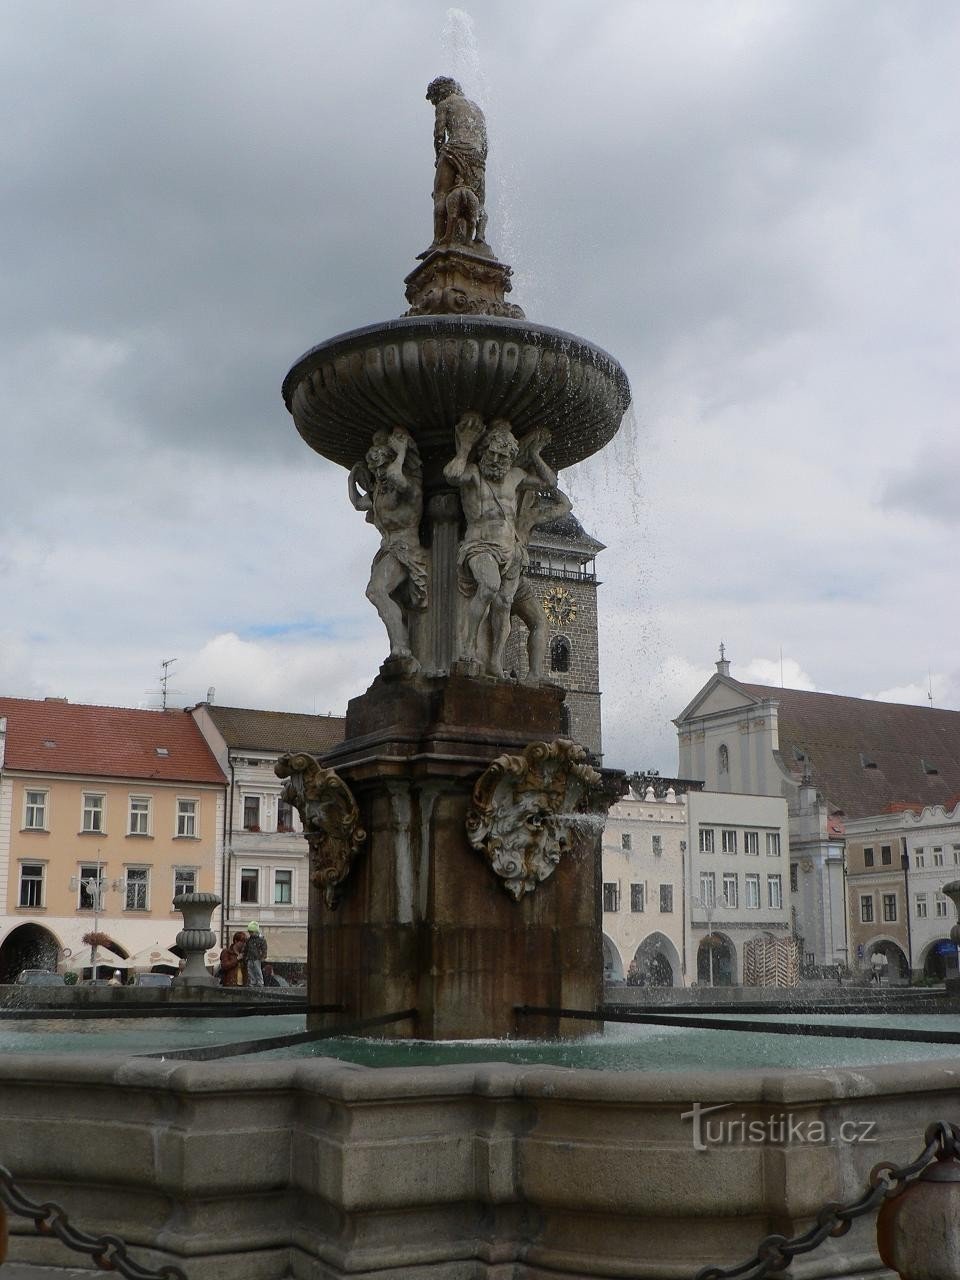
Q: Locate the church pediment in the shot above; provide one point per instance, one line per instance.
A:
(718, 695)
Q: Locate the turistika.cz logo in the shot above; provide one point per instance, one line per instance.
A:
(779, 1129)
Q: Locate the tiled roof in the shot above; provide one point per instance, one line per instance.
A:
(277, 730)
(570, 529)
(865, 756)
(56, 736)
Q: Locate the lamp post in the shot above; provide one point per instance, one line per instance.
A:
(95, 887)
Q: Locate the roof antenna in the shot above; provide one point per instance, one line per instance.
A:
(930, 689)
(781, 666)
(167, 663)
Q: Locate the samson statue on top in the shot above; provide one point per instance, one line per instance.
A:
(460, 143)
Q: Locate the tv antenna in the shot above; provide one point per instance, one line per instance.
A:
(165, 689)
(930, 689)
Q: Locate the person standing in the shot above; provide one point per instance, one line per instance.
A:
(254, 954)
(231, 961)
(877, 962)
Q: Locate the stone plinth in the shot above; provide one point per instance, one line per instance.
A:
(456, 280)
(423, 921)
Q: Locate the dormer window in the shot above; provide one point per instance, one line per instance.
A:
(162, 751)
(867, 762)
(929, 767)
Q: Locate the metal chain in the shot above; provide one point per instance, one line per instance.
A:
(885, 1181)
(108, 1252)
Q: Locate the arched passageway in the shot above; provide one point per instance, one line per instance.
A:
(656, 963)
(28, 946)
(612, 964)
(716, 961)
(936, 958)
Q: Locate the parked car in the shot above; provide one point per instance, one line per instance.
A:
(39, 978)
(153, 980)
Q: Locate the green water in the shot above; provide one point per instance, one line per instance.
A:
(619, 1048)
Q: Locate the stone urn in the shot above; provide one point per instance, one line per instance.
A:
(196, 937)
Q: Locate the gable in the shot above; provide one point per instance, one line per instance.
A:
(718, 695)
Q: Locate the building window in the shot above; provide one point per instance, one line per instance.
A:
(752, 892)
(283, 887)
(731, 895)
(794, 878)
(868, 857)
(92, 812)
(938, 857)
(251, 813)
(90, 888)
(284, 816)
(956, 855)
(886, 856)
(139, 820)
(918, 859)
(559, 654)
(921, 906)
(775, 892)
(751, 842)
(941, 907)
(708, 889)
(666, 897)
(31, 884)
(249, 884)
(657, 843)
(184, 880)
(187, 818)
(866, 909)
(35, 812)
(728, 841)
(706, 840)
(773, 844)
(636, 897)
(136, 889)
(626, 841)
(611, 896)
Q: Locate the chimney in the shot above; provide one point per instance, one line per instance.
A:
(3, 738)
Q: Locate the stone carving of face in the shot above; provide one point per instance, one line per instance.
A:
(499, 452)
(378, 459)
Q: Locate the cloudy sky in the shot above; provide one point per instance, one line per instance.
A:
(752, 204)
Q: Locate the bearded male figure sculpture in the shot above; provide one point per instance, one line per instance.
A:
(460, 143)
(492, 554)
(388, 487)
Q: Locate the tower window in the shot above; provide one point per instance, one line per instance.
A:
(559, 654)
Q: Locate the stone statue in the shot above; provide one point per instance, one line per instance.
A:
(537, 507)
(524, 812)
(331, 820)
(389, 488)
(460, 143)
(491, 556)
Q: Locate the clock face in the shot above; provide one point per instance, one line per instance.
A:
(560, 606)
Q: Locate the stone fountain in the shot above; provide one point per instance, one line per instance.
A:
(451, 873)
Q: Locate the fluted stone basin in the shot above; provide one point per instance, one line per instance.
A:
(423, 372)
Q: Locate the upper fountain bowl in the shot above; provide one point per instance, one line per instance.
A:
(423, 372)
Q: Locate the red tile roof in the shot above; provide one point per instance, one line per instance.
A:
(55, 736)
(277, 730)
(865, 756)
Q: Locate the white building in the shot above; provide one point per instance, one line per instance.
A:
(738, 880)
(644, 847)
(265, 873)
(690, 878)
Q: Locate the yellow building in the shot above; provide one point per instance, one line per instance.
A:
(106, 813)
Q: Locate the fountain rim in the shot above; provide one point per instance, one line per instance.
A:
(452, 326)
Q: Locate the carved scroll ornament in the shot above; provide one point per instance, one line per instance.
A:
(330, 817)
(527, 809)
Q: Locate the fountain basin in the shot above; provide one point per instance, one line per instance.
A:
(423, 372)
(257, 1170)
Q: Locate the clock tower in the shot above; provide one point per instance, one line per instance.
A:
(563, 576)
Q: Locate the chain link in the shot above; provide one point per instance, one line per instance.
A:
(108, 1252)
(942, 1142)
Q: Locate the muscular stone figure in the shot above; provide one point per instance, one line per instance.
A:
(460, 143)
(537, 507)
(491, 555)
(388, 488)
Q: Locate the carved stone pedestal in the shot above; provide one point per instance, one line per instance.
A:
(424, 921)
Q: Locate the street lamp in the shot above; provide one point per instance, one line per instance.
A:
(95, 887)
